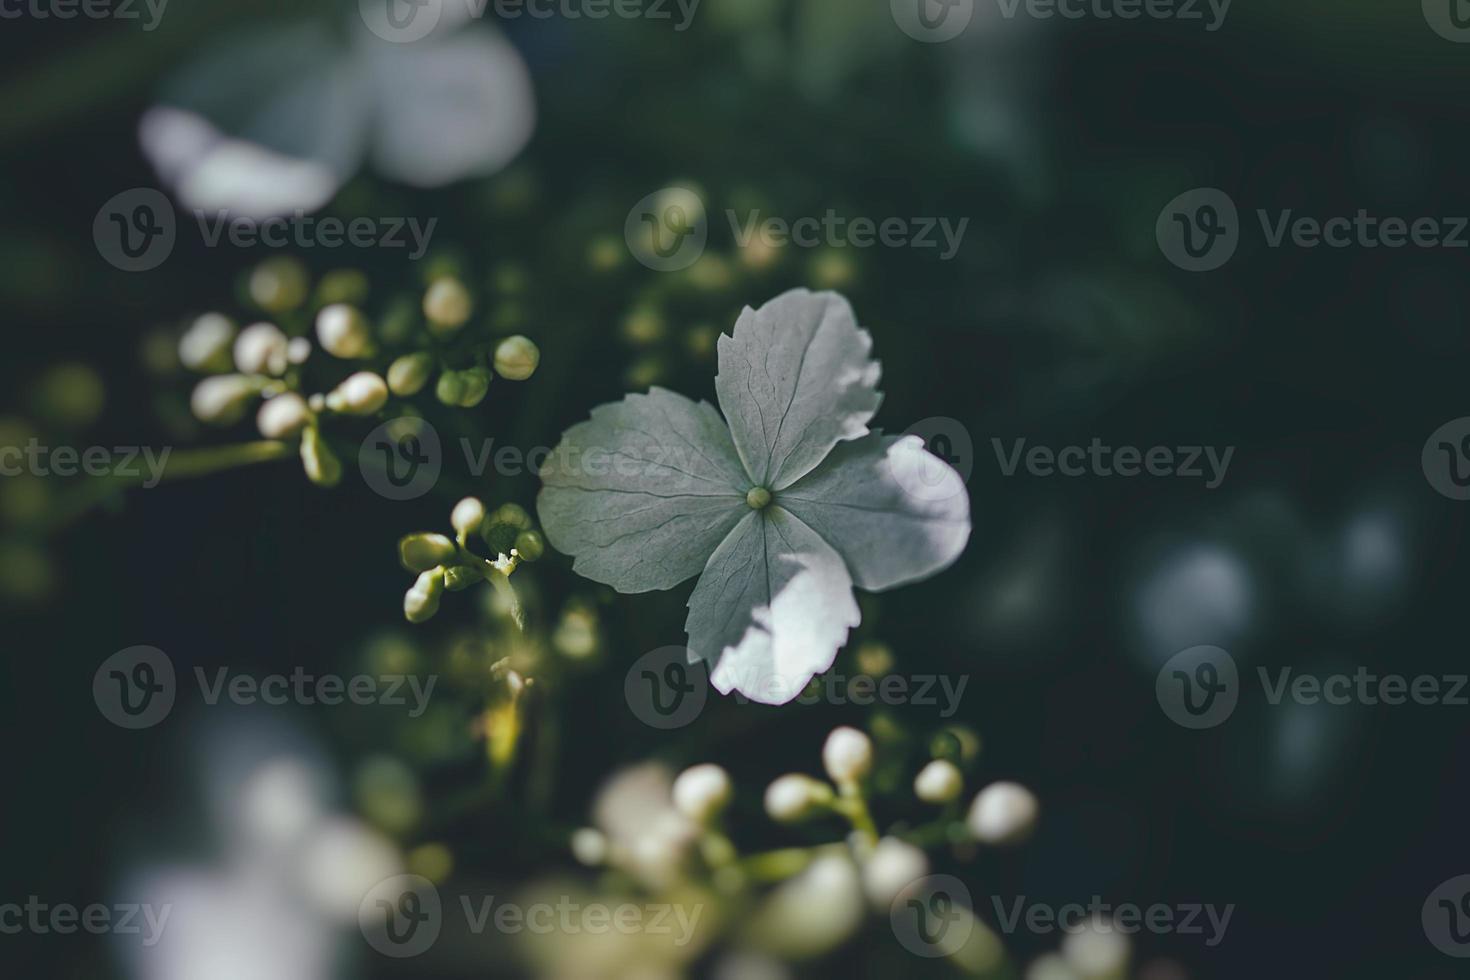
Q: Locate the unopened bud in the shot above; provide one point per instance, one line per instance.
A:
(847, 755)
(463, 389)
(1003, 813)
(702, 791)
(530, 545)
(283, 416)
(421, 602)
(343, 331)
(261, 349)
(461, 577)
(939, 782)
(278, 284)
(421, 552)
(409, 373)
(447, 305)
(205, 346)
(893, 866)
(361, 394)
(221, 400)
(795, 796)
(516, 358)
(321, 464)
(467, 516)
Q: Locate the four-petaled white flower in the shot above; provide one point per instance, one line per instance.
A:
(780, 512)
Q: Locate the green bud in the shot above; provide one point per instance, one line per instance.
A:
(321, 464)
(461, 577)
(513, 514)
(421, 602)
(408, 375)
(516, 358)
(468, 515)
(530, 545)
(447, 305)
(463, 389)
(499, 537)
(342, 286)
(278, 285)
(423, 551)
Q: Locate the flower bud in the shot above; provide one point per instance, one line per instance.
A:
(464, 389)
(893, 866)
(467, 516)
(421, 602)
(530, 545)
(939, 782)
(278, 284)
(321, 464)
(409, 373)
(516, 358)
(261, 349)
(343, 331)
(361, 394)
(1002, 813)
(283, 416)
(298, 350)
(447, 305)
(421, 552)
(589, 846)
(795, 796)
(847, 755)
(221, 400)
(461, 577)
(205, 346)
(702, 791)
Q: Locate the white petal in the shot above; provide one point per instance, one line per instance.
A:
(795, 379)
(894, 511)
(450, 109)
(643, 492)
(260, 126)
(773, 606)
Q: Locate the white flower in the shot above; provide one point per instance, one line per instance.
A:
(1003, 813)
(781, 507)
(277, 119)
(702, 791)
(847, 755)
(893, 866)
(939, 782)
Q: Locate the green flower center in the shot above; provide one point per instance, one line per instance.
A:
(757, 497)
